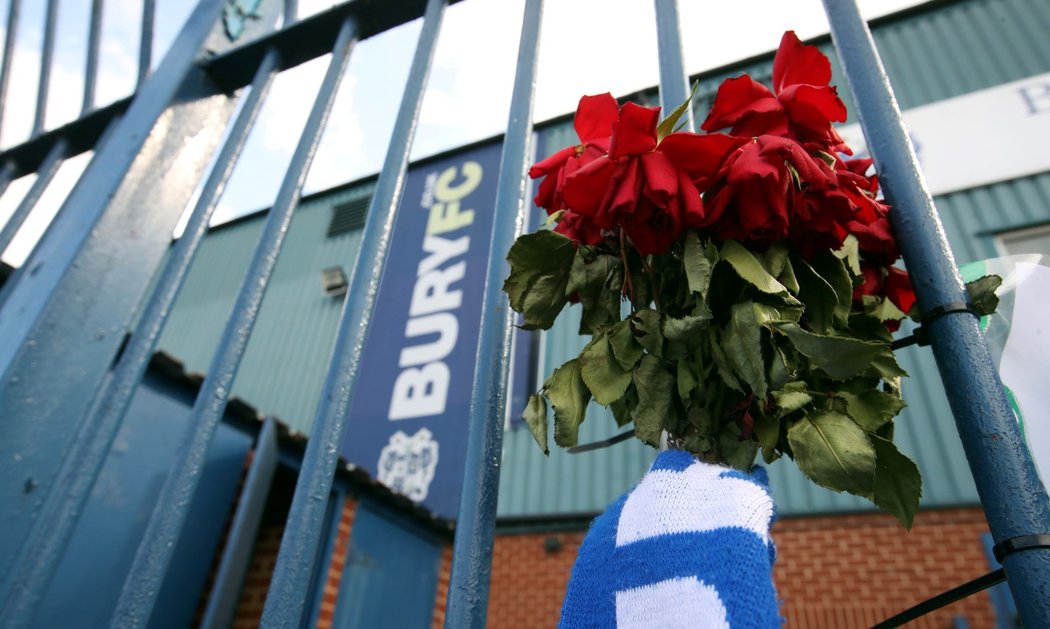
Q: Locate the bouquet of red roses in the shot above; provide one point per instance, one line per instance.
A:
(759, 268)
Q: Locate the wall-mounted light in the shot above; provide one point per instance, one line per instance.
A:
(334, 281)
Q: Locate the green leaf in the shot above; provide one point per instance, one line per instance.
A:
(872, 408)
(817, 293)
(624, 407)
(750, 269)
(775, 258)
(569, 397)
(602, 373)
(670, 123)
(736, 452)
(833, 452)
(698, 264)
(850, 254)
(791, 398)
(655, 387)
(686, 380)
(898, 484)
(766, 314)
(721, 362)
(767, 431)
(742, 344)
(596, 279)
(540, 264)
(646, 327)
(535, 416)
(842, 357)
(624, 346)
(834, 273)
(787, 277)
(982, 294)
(685, 329)
(881, 308)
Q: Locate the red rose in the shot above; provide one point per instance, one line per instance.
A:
(595, 116)
(802, 104)
(646, 187)
(757, 186)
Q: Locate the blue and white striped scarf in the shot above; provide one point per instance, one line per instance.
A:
(688, 547)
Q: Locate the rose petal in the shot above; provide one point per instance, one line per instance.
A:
(595, 117)
(735, 98)
(796, 63)
(635, 132)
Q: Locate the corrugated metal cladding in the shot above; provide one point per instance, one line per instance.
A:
(940, 50)
(284, 365)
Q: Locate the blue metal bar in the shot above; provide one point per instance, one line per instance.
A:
(146, 40)
(329, 537)
(44, 175)
(154, 554)
(91, 64)
(9, 50)
(287, 594)
(41, 554)
(47, 54)
(225, 594)
(1015, 501)
(65, 317)
(472, 551)
(674, 82)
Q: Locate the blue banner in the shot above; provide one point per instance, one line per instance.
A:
(407, 423)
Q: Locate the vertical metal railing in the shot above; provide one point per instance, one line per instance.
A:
(61, 321)
(286, 598)
(10, 38)
(91, 57)
(1015, 501)
(41, 554)
(475, 526)
(150, 565)
(146, 40)
(47, 57)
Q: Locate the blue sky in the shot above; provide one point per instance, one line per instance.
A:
(588, 46)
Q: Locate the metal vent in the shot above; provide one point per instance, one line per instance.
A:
(349, 216)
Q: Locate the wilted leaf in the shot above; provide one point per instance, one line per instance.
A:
(834, 452)
(736, 452)
(872, 408)
(569, 397)
(982, 294)
(602, 373)
(596, 279)
(685, 329)
(535, 416)
(834, 273)
(842, 357)
(791, 399)
(817, 293)
(624, 346)
(647, 331)
(686, 381)
(698, 264)
(655, 387)
(540, 264)
(850, 254)
(751, 270)
(742, 345)
(898, 485)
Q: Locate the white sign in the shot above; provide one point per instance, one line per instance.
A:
(979, 138)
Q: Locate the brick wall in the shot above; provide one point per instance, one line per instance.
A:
(441, 595)
(335, 568)
(853, 571)
(257, 581)
(528, 579)
(831, 572)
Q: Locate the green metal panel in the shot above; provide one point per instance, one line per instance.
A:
(285, 362)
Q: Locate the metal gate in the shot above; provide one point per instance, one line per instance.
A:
(73, 350)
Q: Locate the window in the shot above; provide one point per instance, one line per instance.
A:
(1028, 240)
